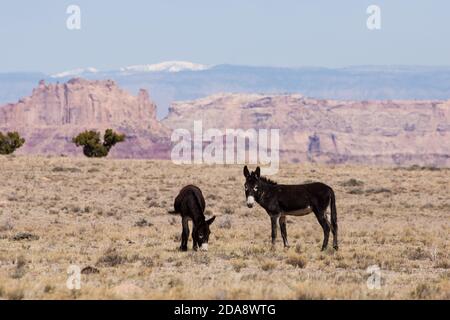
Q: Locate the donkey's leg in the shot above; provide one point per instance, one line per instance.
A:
(273, 219)
(334, 231)
(184, 234)
(194, 245)
(284, 231)
(335, 238)
(334, 225)
(320, 215)
(194, 238)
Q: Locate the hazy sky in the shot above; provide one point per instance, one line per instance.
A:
(34, 37)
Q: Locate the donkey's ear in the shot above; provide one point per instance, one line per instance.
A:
(211, 220)
(246, 172)
(258, 172)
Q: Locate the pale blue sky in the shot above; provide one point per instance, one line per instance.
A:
(33, 34)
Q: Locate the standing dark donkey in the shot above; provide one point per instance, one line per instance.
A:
(191, 205)
(296, 200)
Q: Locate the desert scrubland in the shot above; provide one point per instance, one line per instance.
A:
(109, 217)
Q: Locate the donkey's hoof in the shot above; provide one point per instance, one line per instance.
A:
(336, 248)
(183, 248)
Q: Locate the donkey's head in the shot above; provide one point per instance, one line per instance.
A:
(201, 233)
(252, 186)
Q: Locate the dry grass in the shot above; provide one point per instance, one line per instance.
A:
(110, 216)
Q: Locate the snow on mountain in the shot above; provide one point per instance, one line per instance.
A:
(168, 66)
(74, 72)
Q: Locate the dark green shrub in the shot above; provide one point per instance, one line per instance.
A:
(10, 142)
(93, 147)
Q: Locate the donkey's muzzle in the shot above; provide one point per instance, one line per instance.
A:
(250, 201)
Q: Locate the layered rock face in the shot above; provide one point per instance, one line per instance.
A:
(54, 113)
(329, 131)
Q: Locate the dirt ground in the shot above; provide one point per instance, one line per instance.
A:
(111, 215)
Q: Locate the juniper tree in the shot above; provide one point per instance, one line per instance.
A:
(10, 142)
(93, 146)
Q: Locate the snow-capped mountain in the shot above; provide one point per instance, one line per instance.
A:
(167, 66)
(74, 72)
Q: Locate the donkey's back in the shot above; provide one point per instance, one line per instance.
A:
(301, 195)
(189, 201)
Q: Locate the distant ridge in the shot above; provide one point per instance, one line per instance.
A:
(181, 80)
(398, 132)
(168, 66)
(74, 72)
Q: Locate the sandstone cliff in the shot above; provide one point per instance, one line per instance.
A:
(54, 113)
(368, 132)
(330, 131)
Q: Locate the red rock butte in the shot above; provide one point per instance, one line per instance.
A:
(54, 113)
(330, 131)
(317, 130)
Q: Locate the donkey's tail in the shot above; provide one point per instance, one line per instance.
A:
(334, 225)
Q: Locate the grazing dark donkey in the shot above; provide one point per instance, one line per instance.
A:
(296, 200)
(191, 205)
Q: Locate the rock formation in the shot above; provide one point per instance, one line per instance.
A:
(328, 131)
(366, 132)
(54, 113)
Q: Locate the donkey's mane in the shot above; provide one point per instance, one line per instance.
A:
(267, 180)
